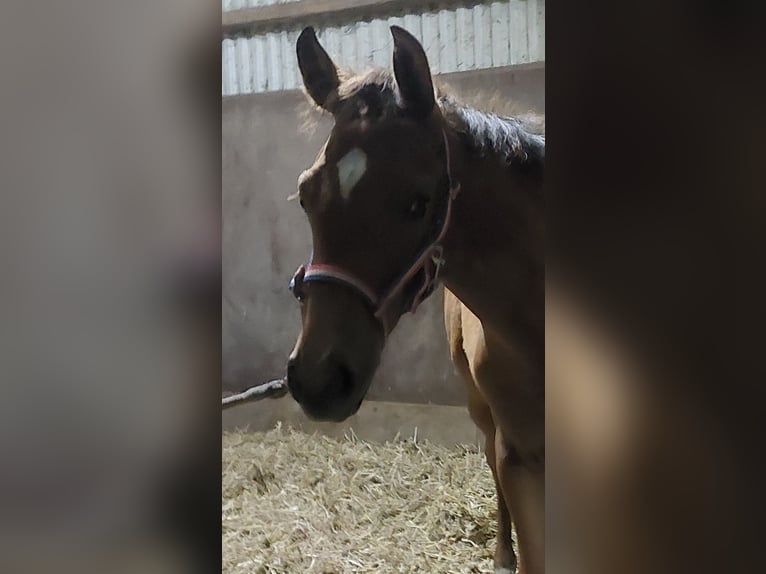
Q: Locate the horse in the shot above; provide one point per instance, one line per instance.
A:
(412, 189)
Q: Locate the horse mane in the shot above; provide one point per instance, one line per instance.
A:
(513, 139)
(508, 137)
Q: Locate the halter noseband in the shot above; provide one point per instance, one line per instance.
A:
(429, 261)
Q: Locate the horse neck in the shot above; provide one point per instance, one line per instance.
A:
(494, 248)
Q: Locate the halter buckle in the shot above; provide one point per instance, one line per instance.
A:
(296, 283)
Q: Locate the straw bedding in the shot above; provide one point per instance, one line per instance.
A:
(295, 503)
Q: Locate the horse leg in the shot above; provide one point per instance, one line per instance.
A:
(460, 323)
(505, 558)
(523, 486)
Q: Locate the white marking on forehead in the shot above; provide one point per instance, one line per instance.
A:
(351, 168)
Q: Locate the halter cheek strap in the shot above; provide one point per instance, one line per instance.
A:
(429, 261)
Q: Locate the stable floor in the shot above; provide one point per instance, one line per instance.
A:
(295, 502)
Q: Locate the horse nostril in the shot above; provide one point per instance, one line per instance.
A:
(345, 382)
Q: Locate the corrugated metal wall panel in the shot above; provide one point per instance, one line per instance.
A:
(229, 5)
(499, 33)
(491, 34)
(482, 47)
(230, 86)
(430, 23)
(274, 61)
(464, 39)
(447, 41)
(537, 23)
(518, 35)
(244, 73)
(380, 34)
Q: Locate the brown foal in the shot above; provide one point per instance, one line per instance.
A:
(412, 188)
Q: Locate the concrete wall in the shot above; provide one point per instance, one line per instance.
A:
(265, 238)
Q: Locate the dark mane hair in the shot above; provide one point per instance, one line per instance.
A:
(507, 137)
(374, 94)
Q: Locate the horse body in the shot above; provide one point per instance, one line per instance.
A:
(406, 188)
(494, 317)
(510, 417)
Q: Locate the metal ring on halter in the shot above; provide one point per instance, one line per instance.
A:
(429, 261)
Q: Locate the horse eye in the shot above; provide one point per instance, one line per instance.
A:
(417, 208)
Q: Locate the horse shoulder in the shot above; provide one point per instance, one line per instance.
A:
(454, 326)
(464, 333)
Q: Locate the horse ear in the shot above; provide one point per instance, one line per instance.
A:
(412, 73)
(320, 76)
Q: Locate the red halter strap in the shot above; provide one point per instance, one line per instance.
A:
(429, 261)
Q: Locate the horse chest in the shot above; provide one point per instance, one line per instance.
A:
(500, 374)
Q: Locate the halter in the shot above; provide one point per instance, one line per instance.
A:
(429, 261)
